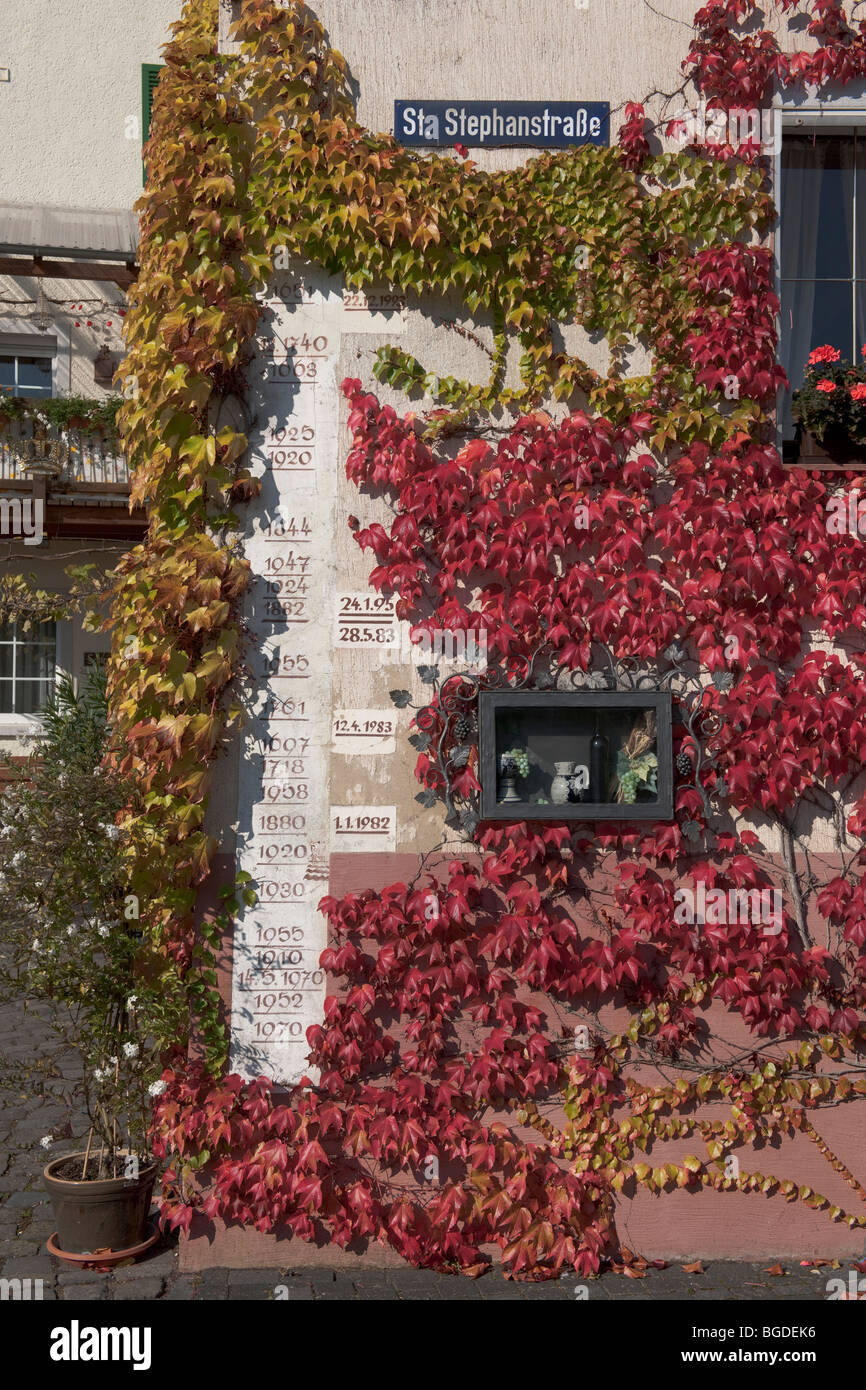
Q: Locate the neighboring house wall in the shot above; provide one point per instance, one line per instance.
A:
(87, 316)
(72, 106)
(73, 113)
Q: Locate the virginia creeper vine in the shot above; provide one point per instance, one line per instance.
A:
(450, 1035)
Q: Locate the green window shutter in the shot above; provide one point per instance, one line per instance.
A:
(149, 78)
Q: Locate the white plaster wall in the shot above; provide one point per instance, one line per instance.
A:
(518, 50)
(75, 79)
(522, 50)
(510, 50)
(75, 304)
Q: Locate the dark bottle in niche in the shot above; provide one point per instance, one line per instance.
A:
(598, 768)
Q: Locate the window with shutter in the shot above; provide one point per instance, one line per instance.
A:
(149, 78)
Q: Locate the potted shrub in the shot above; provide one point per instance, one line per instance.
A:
(71, 941)
(79, 413)
(103, 416)
(67, 412)
(830, 408)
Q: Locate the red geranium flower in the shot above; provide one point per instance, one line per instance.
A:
(825, 385)
(858, 392)
(824, 354)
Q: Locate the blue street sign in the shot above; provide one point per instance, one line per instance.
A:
(487, 124)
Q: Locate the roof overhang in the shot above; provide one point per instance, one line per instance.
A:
(85, 234)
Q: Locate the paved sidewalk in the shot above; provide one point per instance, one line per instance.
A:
(26, 1223)
(156, 1278)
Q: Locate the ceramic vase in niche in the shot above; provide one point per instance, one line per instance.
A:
(559, 785)
(508, 789)
(508, 780)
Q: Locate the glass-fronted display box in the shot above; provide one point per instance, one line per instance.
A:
(556, 755)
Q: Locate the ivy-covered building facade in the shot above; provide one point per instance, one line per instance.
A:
(68, 255)
(493, 659)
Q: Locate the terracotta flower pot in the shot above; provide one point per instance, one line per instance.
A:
(99, 1214)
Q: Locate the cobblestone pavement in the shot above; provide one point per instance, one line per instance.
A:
(25, 1224)
(157, 1279)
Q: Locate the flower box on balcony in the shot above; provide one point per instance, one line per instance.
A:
(830, 410)
(835, 451)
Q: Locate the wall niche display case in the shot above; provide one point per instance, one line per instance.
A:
(599, 755)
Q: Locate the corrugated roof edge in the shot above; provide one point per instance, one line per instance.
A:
(111, 233)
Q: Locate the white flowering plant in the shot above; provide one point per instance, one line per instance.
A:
(69, 927)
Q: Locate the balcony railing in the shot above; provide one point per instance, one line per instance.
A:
(65, 456)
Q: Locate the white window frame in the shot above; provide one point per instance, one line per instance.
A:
(20, 725)
(32, 345)
(14, 723)
(791, 113)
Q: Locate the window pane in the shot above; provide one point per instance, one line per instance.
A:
(817, 206)
(35, 661)
(6, 651)
(30, 696)
(813, 313)
(7, 370)
(34, 376)
(39, 632)
(6, 706)
(34, 371)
